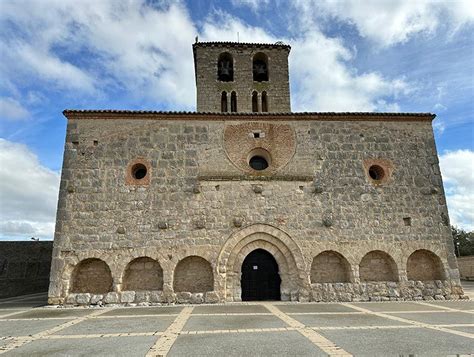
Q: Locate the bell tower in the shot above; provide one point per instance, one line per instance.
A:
(242, 77)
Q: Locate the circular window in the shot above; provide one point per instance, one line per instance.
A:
(139, 171)
(259, 159)
(376, 172)
(258, 163)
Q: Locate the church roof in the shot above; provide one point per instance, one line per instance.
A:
(278, 44)
(185, 115)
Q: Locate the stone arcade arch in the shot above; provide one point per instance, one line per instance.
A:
(193, 274)
(330, 267)
(276, 242)
(378, 266)
(143, 273)
(91, 276)
(424, 265)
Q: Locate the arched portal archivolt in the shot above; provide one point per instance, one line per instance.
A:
(284, 249)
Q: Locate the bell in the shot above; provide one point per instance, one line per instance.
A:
(224, 68)
(260, 68)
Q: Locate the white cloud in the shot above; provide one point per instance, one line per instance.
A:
(145, 50)
(53, 69)
(11, 109)
(389, 22)
(98, 45)
(254, 5)
(457, 168)
(28, 193)
(320, 74)
(324, 81)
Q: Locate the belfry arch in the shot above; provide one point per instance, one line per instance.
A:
(279, 244)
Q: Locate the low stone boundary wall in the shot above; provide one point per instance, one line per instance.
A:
(24, 267)
(387, 291)
(326, 292)
(141, 298)
(466, 267)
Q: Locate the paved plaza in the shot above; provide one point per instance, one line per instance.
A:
(434, 328)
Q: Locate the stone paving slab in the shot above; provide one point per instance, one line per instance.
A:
(27, 327)
(131, 311)
(51, 313)
(314, 308)
(460, 305)
(202, 323)
(132, 324)
(106, 347)
(437, 318)
(345, 320)
(394, 306)
(230, 309)
(290, 343)
(398, 342)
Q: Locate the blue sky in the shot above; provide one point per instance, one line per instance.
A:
(377, 55)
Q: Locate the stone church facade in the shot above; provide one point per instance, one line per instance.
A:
(245, 200)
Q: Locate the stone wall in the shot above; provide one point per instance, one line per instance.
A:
(330, 267)
(193, 274)
(466, 267)
(143, 274)
(378, 266)
(209, 89)
(424, 265)
(196, 201)
(24, 267)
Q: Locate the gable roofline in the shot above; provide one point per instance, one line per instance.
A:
(188, 115)
(278, 44)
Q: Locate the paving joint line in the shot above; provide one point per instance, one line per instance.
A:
(39, 319)
(446, 308)
(131, 316)
(20, 341)
(22, 298)
(164, 343)
(234, 314)
(13, 313)
(318, 340)
(325, 313)
(103, 335)
(411, 322)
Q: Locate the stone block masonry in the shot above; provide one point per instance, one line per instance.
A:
(165, 207)
(338, 228)
(24, 267)
(274, 90)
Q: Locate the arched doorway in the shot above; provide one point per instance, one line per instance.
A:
(260, 277)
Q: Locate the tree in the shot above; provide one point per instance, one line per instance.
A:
(463, 242)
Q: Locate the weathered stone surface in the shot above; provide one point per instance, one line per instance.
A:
(197, 298)
(209, 89)
(112, 298)
(71, 299)
(96, 299)
(24, 267)
(350, 241)
(156, 296)
(211, 297)
(127, 296)
(83, 299)
(183, 297)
